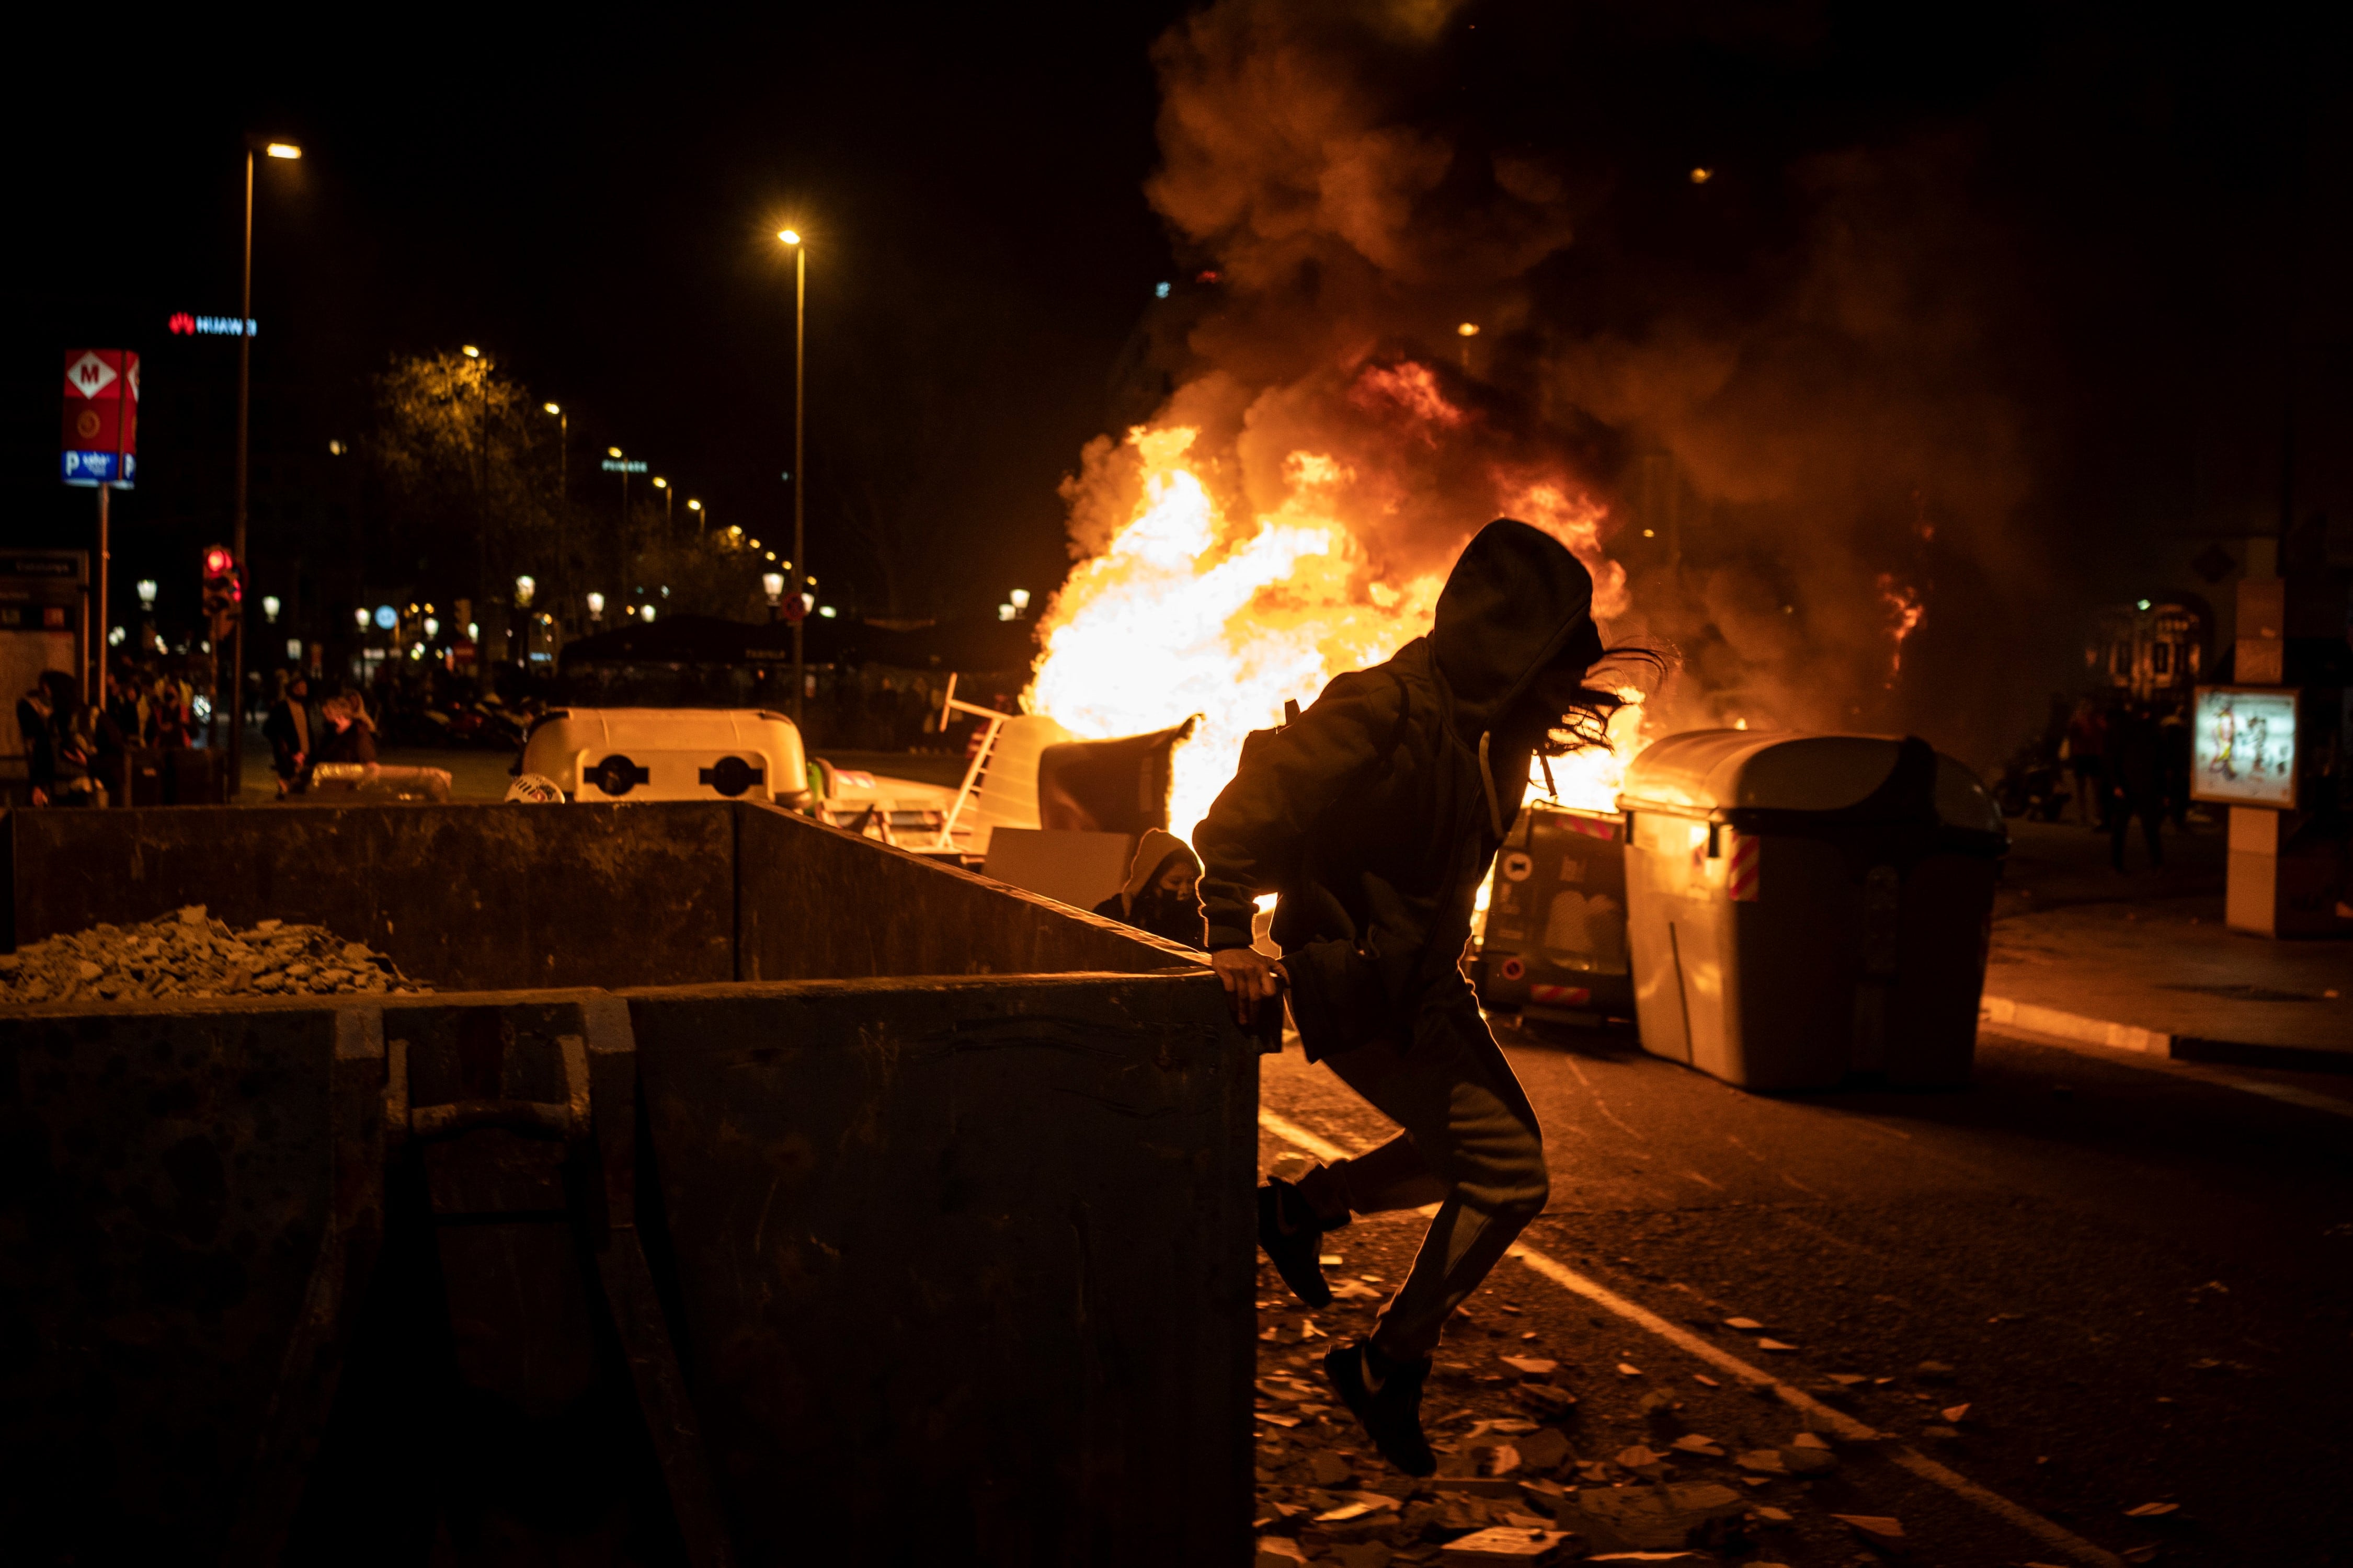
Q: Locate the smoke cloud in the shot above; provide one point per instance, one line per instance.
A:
(1765, 399)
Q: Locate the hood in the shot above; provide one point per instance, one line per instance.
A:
(1514, 601)
(1152, 853)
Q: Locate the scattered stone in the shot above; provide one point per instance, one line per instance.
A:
(1543, 1449)
(1762, 1461)
(2151, 1510)
(1703, 1377)
(1809, 1440)
(1878, 1527)
(1546, 1399)
(1955, 1413)
(1505, 1544)
(1933, 1372)
(1848, 1379)
(1330, 1470)
(1773, 1345)
(1531, 1369)
(1693, 1443)
(184, 955)
(1627, 1369)
(1654, 1518)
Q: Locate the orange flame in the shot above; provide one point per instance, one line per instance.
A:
(1904, 610)
(1190, 610)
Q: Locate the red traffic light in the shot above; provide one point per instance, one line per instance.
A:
(217, 561)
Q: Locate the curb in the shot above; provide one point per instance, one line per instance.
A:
(2077, 1028)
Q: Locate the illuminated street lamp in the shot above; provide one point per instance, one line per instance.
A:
(595, 606)
(773, 585)
(649, 613)
(1019, 600)
(361, 615)
(701, 518)
(562, 451)
(800, 471)
(146, 592)
(289, 151)
(269, 606)
(670, 500)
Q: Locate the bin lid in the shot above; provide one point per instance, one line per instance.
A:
(1701, 773)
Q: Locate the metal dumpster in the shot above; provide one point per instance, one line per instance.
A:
(752, 1191)
(1804, 907)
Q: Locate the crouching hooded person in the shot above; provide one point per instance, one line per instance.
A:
(1159, 896)
(1373, 816)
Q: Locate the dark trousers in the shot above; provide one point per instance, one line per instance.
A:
(1470, 1144)
(2150, 809)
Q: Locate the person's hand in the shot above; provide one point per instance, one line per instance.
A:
(1250, 977)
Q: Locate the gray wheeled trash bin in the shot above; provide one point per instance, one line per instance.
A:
(1801, 908)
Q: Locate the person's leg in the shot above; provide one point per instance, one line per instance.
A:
(2152, 821)
(1380, 1181)
(2119, 825)
(1480, 1155)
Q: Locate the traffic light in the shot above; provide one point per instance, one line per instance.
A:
(224, 593)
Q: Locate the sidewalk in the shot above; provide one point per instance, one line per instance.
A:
(2143, 962)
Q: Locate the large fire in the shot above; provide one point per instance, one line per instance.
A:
(1190, 611)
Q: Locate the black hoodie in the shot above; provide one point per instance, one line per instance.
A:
(1374, 815)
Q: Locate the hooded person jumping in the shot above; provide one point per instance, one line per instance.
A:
(1373, 816)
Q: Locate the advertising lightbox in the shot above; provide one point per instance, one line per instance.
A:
(2242, 746)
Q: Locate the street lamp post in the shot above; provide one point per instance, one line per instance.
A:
(244, 406)
(563, 500)
(670, 500)
(800, 476)
(482, 505)
(702, 517)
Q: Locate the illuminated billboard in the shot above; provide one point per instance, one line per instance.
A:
(2242, 746)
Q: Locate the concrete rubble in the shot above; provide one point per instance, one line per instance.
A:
(185, 955)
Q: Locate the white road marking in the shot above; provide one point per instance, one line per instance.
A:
(1820, 1416)
(2293, 1094)
(1599, 1103)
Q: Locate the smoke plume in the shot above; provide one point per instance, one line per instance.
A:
(1756, 385)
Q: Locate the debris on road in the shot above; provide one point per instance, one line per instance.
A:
(187, 955)
(1509, 1545)
(1878, 1527)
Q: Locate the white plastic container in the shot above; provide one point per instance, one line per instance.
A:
(1800, 907)
(670, 753)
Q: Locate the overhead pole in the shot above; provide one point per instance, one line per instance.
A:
(237, 510)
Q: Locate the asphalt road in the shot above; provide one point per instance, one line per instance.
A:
(2140, 1275)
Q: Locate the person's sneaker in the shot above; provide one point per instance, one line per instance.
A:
(1386, 1398)
(1291, 1232)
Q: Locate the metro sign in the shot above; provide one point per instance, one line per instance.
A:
(625, 465)
(101, 416)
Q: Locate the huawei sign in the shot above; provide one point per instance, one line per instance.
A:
(183, 325)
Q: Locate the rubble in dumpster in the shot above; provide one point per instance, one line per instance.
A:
(186, 955)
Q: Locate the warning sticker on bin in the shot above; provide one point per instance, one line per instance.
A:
(1741, 879)
(1561, 995)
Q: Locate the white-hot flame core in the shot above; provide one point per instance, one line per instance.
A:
(1188, 612)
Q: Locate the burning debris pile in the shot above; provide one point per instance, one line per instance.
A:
(189, 955)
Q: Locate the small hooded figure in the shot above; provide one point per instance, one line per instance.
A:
(1373, 816)
(1161, 893)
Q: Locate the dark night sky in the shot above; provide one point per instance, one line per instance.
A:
(595, 204)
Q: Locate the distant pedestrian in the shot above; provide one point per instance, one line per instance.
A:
(73, 744)
(288, 730)
(2086, 750)
(35, 710)
(1162, 894)
(2173, 750)
(167, 717)
(2135, 783)
(345, 736)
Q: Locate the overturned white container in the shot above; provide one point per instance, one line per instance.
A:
(670, 753)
